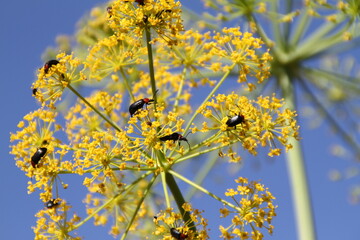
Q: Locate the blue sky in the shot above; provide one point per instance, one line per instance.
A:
(28, 27)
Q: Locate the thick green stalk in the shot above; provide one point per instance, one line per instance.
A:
(297, 173)
(179, 199)
(151, 65)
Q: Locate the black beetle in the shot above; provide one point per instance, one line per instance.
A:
(175, 137)
(232, 122)
(177, 234)
(139, 104)
(49, 64)
(140, 2)
(51, 203)
(34, 91)
(38, 155)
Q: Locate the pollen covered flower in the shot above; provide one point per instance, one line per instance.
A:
(162, 16)
(253, 123)
(255, 211)
(54, 77)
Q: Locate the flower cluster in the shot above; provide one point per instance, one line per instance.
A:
(136, 17)
(54, 77)
(252, 123)
(170, 225)
(228, 50)
(114, 54)
(127, 138)
(110, 197)
(39, 153)
(255, 211)
(54, 222)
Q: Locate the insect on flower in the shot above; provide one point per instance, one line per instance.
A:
(51, 203)
(175, 137)
(140, 2)
(34, 91)
(177, 234)
(139, 104)
(233, 121)
(109, 10)
(49, 64)
(38, 155)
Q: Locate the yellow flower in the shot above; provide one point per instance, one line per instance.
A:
(253, 123)
(114, 54)
(255, 211)
(128, 17)
(53, 78)
(53, 223)
(240, 49)
(174, 220)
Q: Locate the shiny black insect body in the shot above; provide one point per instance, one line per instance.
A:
(177, 234)
(140, 2)
(34, 91)
(51, 203)
(233, 121)
(38, 155)
(49, 64)
(175, 137)
(109, 10)
(139, 104)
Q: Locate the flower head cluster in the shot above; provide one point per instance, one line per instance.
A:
(109, 197)
(54, 222)
(94, 27)
(163, 16)
(54, 77)
(114, 54)
(82, 120)
(228, 50)
(255, 211)
(39, 153)
(240, 49)
(253, 123)
(170, 224)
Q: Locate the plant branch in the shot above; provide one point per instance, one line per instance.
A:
(297, 172)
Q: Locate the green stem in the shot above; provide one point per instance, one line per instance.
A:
(95, 212)
(147, 190)
(179, 199)
(111, 200)
(203, 189)
(297, 173)
(176, 103)
(93, 108)
(209, 96)
(300, 29)
(151, 65)
(278, 36)
(160, 158)
(287, 30)
(332, 120)
(306, 48)
(208, 166)
(127, 85)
